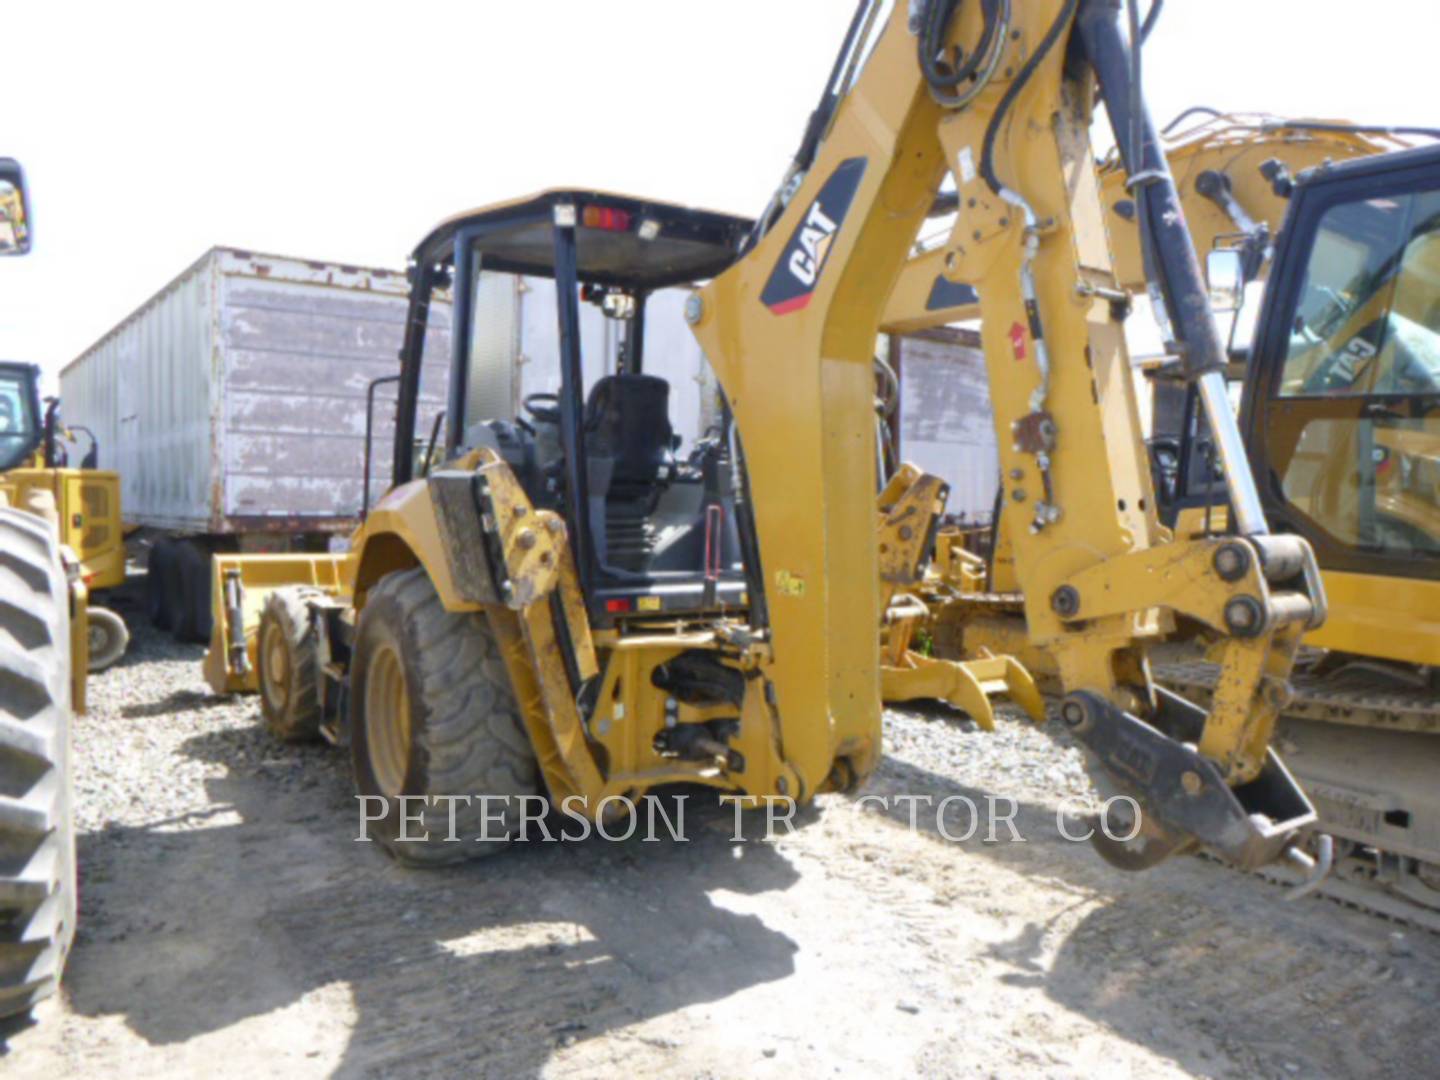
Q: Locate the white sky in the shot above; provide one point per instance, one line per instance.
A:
(343, 131)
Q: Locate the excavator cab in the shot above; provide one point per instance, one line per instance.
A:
(1344, 425)
(1341, 404)
(642, 471)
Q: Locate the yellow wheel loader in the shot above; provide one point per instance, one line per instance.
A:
(84, 504)
(1340, 441)
(42, 683)
(555, 602)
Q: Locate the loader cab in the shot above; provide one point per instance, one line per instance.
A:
(21, 426)
(1341, 412)
(569, 356)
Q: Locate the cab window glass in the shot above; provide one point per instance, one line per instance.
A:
(1368, 318)
(17, 425)
(1354, 431)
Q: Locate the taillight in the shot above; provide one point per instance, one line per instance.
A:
(616, 607)
(605, 217)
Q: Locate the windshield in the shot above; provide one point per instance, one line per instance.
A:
(1368, 320)
(17, 419)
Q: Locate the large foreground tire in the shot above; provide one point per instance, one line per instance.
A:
(288, 665)
(108, 636)
(37, 837)
(432, 713)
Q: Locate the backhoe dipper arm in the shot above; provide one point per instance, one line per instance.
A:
(790, 329)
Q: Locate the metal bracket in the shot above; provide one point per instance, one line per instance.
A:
(1182, 791)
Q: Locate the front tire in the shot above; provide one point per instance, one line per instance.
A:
(288, 665)
(37, 833)
(108, 637)
(433, 714)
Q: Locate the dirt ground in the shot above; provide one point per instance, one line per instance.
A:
(230, 925)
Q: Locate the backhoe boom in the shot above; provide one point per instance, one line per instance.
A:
(790, 330)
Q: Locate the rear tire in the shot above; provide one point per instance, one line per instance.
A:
(287, 665)
(161, 586)
(192, 565)
(432, 713)
(109, 637)
(37, 837)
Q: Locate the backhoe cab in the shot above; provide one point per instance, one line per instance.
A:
(651, 516)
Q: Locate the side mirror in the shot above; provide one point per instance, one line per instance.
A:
(14, 209)
(1225, 273)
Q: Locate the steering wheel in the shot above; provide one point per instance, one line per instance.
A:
(544, 408)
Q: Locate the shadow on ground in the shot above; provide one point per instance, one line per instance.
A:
(485, 967)
(1192, 956)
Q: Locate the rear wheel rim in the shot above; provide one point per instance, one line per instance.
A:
(275, 685)
(387, 720)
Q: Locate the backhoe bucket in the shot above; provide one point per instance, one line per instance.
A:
(240, 586)
(966, 684)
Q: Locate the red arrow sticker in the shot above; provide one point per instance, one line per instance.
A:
(1017, 340)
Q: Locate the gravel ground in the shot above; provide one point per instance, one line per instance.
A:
(231, 926)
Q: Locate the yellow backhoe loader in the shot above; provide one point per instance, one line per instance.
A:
(42, 682)
(1343, 445)
(558, 604)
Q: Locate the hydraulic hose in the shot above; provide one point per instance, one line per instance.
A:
(977, 68)
(1175, 267)
(1015, 199)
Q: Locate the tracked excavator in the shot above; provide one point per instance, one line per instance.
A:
(42, 681)
(554, 603)
(1346, 461)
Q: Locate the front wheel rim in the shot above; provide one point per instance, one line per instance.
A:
(277, 667)
(387, 720)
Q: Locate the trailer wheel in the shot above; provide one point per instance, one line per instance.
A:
(161, 586)
(288, 665)
(192, 570)
(108, 637)
(37, 838)
(433, 714)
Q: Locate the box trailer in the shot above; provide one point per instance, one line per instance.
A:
(946, 424)
(233, 403)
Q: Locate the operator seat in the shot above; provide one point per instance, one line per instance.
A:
(627, 421)
(630, 461)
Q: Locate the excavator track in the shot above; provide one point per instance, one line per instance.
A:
(1366, 748)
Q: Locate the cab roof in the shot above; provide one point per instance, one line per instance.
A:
(621, 240)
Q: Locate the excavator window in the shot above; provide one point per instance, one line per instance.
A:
(1353, 433)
